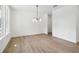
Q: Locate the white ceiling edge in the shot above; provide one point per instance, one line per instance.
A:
(47, 9)
(58, 7)
(32, 8)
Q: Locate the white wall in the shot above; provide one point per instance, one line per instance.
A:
(4, 42)
(22, 25)
(49, 23)
(64, 23)
(77, 24)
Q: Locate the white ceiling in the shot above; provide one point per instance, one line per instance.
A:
(30, 8)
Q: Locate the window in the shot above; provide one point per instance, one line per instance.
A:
(0, 23)
(0, 16)
(4, 20)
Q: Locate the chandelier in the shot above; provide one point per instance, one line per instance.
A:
(37, 18)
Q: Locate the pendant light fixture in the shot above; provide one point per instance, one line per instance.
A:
(37, 18)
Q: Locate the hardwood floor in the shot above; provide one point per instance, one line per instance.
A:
(40, 44)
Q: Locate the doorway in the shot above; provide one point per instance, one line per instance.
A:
(50, 25)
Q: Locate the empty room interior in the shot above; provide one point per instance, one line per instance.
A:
(39, 29)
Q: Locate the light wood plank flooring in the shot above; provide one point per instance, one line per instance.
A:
(40, 44)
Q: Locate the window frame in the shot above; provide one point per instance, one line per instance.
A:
(4, 21)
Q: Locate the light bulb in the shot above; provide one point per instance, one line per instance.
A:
(37, 20)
